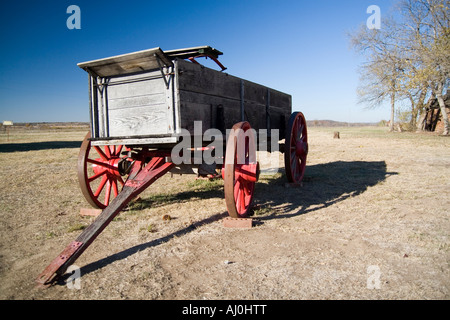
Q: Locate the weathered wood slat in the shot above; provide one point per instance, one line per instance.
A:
(198, 79)
(143, 120)
(149, 102)
(127, 63)
(136, 89)
(200, 87)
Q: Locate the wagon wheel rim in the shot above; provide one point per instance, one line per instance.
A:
(98, 173)
(296, 148)
(240, 170)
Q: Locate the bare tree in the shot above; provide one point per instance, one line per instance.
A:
(408, 58)
(417, 99)
(381, 74)
(427, 30)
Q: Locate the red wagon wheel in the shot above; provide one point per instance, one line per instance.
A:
(241, 170)
(296, 148)
(98, 173)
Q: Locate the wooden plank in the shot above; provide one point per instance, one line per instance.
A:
(142, 104)
(127, 63)
(199, 79)
(200, 86)
(143, 120)
(191, 112)
(150, 83)
(281, 100)
(243, 223)
(137, 101)
(154, 142)
(134, 105)
(198, 107)
(192, 52)
(255, 114)
(90, 212)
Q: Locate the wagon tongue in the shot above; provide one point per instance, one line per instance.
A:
(140, 178)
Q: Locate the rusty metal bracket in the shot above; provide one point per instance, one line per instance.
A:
(192, 59)
(48, 275)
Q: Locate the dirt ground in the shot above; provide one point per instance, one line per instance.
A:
(371, 221)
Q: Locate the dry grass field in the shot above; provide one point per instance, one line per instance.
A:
(371, 221)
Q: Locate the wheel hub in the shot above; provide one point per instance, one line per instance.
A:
(111, 166)
(301, 148)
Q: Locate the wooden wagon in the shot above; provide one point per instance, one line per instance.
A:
(144, 105)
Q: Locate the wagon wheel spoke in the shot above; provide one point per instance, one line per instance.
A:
(101, 153)
(238, 199)
(118, 150)
(115, 188)
(101, 186)
(299, 133)
(99, 163)
(293, 161)
(107, 193)
(108, 151)
(96, 176)
(120, 180)
(237, 186)
(298, 169)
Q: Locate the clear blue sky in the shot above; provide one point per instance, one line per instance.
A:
(298, 47)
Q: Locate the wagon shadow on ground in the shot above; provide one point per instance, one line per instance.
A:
(36, 146)
(323, 185)
(140, 247)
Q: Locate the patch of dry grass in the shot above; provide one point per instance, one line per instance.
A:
(368, 198)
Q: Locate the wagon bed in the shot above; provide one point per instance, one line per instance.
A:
(147, 97)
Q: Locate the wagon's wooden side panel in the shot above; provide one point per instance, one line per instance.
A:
(137, 105)
(214, 112)
(150, 106)
(133, 106)
(220, 100)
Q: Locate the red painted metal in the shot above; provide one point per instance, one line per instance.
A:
(192, 59)
(49, 274)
